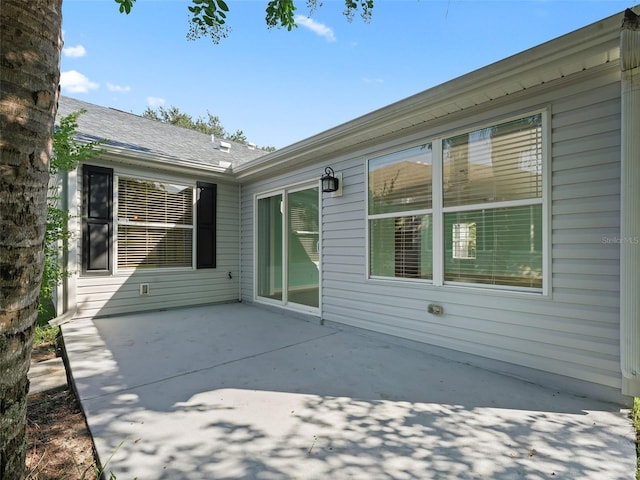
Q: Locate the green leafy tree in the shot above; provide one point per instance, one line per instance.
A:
(208, 17)
(67, 155)
(172, 115)
(31, 39)
(211, 125)
(238, 136)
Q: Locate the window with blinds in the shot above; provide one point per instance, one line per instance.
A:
(155, 224)
(495, 164)
(492, 205)
(400, 207)
(487, 223)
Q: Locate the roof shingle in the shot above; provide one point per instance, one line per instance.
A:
(133, 133)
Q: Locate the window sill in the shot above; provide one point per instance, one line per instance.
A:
(462, 288)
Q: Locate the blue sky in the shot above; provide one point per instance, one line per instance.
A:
(280, 87)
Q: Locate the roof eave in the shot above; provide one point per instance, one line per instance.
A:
(162, 162)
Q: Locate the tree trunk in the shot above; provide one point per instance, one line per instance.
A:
(30, 35)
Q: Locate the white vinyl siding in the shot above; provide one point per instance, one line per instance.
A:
(170, 287)
(572, 331)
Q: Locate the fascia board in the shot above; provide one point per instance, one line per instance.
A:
(588, 47)
(168, 164)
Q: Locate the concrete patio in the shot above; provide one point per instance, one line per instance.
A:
(240, 392)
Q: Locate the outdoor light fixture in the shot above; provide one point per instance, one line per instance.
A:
(329, 181)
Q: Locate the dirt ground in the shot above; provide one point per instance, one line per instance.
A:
(60, 446)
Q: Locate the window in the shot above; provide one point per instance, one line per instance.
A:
(400, 211)
(464, 241)
(488, 223)
(155, 224)
(492, 178)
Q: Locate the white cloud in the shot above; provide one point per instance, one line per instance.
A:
(118, 88)
(154, 102)
(316, 27)
(372, 80)
(74, 52)
(75, 82)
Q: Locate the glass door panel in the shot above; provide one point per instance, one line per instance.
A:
(269, 247)
(303, 241)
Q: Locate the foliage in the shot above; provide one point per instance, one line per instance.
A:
(208, 20)
(211, 125)
(208, 17)
(45, 335)
(238, 136)
(172, 115)
(280, 13)
(67, 154)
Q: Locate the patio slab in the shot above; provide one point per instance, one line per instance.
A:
(239, 392)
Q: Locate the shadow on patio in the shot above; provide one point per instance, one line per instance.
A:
(239, 392)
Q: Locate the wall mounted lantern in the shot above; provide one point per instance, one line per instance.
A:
(329, 181)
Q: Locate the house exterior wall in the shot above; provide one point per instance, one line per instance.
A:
(571, 330)
(103, 295)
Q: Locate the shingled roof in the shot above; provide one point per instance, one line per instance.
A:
(133, 133)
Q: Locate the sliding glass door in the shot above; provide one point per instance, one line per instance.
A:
(287, 247)
(270, 247)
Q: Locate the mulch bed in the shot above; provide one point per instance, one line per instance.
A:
(60, 446)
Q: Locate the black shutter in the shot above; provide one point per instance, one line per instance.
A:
(97, 219)
(206, 235)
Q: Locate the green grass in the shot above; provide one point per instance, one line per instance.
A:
(45, 334)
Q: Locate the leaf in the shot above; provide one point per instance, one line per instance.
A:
(222, 5)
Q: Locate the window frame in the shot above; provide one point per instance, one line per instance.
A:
(117, 223)
(398, 214)
(284, 192)
(438, 209)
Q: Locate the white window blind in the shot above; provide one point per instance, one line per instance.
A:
(401, 247)
(502, 163)
(155, 224)
(488, 224)
(495, 164)
(506, 250)
(401, 181)
(154, 202)
(400, 203)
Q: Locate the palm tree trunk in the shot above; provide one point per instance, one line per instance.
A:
(31, 41)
